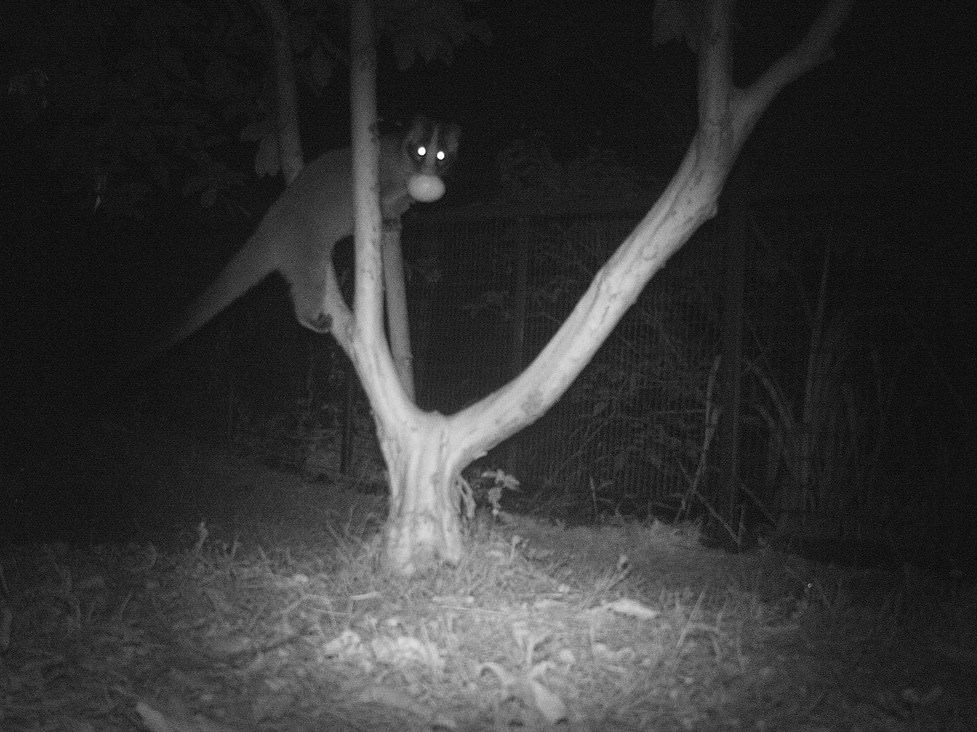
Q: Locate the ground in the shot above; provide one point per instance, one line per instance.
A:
(214, 593)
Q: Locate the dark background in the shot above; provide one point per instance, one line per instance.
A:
(886, 126)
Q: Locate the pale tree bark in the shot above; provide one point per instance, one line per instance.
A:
(395, 295)
(425, 452)
(423, 524)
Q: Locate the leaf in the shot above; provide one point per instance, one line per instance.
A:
(678, 20)
(153, 719)
(549, 704)
(406, 651)
(631, 608)
(504, 676)
(346, 645)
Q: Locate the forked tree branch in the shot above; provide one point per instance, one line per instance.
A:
(727, 115)
(362, 336)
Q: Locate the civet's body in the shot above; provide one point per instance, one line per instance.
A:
(297, 234)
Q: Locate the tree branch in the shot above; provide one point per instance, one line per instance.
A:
(364, 337)
(726, 118)
(286, 103)
(812, 51)
(715, 64)
(368, 296)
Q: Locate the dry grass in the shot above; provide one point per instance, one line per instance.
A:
(283, 619)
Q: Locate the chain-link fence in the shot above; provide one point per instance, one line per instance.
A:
(628, 434)
(488, 288)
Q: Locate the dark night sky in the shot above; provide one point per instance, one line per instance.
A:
(887, 123)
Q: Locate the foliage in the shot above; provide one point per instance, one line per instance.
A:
(825, 432)
(141, 98)
(429, 30)
(129, 103)
(484, 487)
(678, 20)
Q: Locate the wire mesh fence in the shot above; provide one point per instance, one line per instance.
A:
(487, 289)
(627, 435)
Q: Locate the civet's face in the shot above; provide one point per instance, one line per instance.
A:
(428, 149)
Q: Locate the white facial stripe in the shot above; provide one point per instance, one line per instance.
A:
(429, 147)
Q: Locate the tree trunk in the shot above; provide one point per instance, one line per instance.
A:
(425, 452)
(423, 525)
(395, 294)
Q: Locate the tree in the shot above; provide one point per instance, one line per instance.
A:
(425, 452)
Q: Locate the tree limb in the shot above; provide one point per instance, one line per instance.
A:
(727, 115)
(286, 103)
(812, 51)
